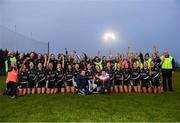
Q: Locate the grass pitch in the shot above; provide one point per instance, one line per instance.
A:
(94, 108)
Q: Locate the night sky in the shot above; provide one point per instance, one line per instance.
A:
(139, 24)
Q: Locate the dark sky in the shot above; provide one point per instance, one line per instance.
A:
(139, 24)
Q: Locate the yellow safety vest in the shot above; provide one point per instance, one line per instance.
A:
(140, 65)
(149, 62)
(167, 63)
(13, 59)
(99, 64)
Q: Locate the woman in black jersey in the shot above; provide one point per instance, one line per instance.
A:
(52, 59)
(145, 78)
(111, 60)
(69, 59)
(69, 80)
(60, 74)
(30, 59)
(155, 77)
(127, 78)
(60, 79)
(110, 71)
(31, 79)
(135, 77)
(156, 59)
(22, 80)
(41, 79)
(76, 72)
(20, 60)
(96, 83)
(82, 64)
(39, 60)
(51, 77)
(90, 76)
(118, 78)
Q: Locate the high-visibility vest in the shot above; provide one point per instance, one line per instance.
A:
(13, 59)
(99, 64)
(167, 63)
(140, 65)
(149, 62)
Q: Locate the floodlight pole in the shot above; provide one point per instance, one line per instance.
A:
(48, 47)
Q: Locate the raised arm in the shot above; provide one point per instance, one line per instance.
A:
(48, 60)
(63, 61)
(45, 60)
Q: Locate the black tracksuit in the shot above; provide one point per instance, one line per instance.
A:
(82, 82)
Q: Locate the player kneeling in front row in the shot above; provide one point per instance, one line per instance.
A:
(105, 82)
(82, 84)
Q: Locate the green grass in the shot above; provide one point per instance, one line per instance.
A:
(113, 107)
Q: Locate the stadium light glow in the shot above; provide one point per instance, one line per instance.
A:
(109, 36)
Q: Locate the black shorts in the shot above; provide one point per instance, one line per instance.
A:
(51, 84)
(23, 85)
(31, 84)
(135, 82)
(112, 82)
(156, 82)
(60, 84)
(118, 82)
(145, 83)
(69, 83)
(11, 88)
(11, 85)
(127, 82)
(41, 84)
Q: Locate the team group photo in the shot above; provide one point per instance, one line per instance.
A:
(89, 61)
(40, 73)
